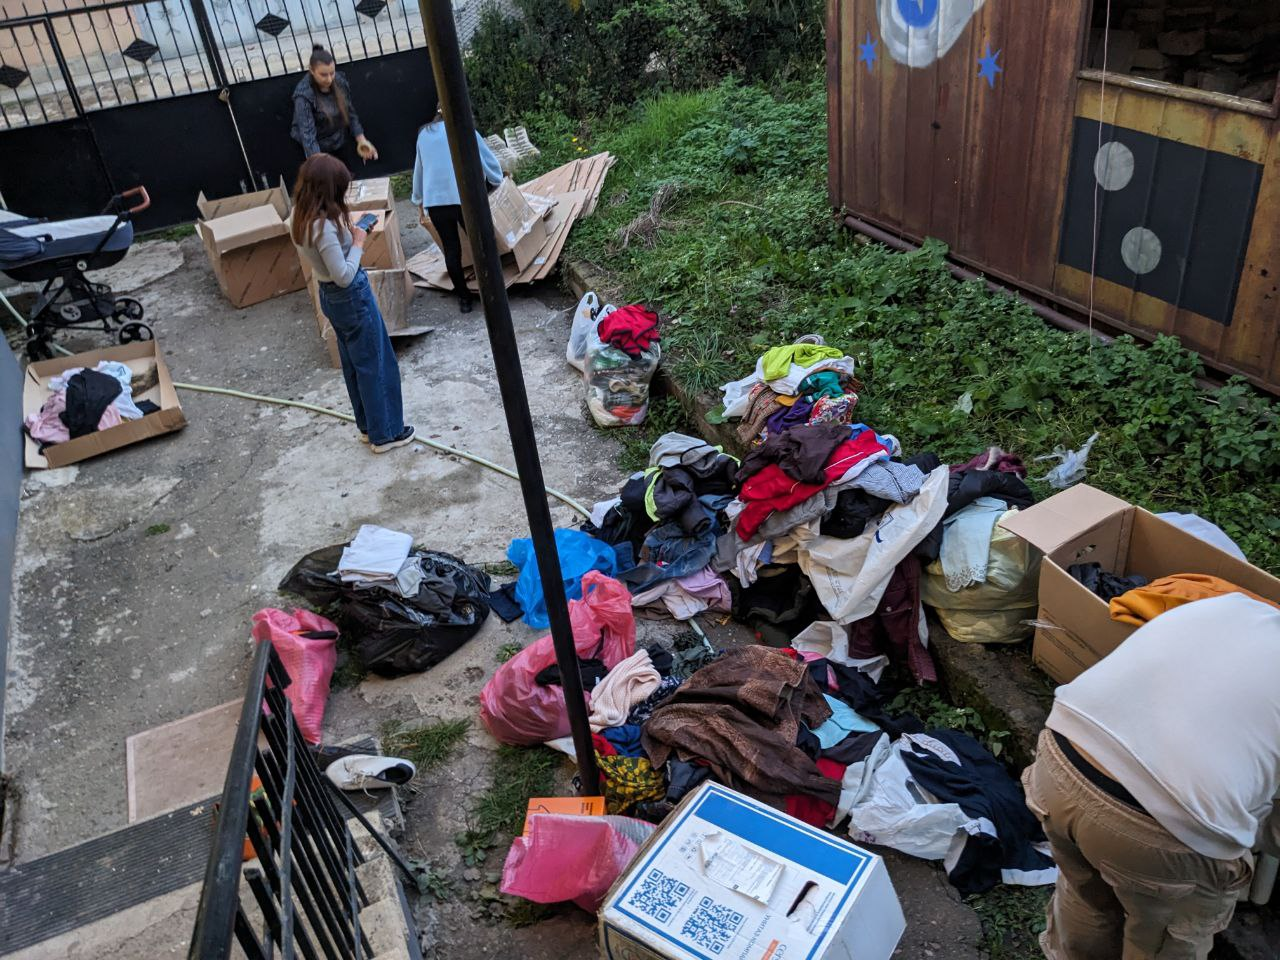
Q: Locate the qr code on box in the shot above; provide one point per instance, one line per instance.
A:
(712, 926)
(659, 896)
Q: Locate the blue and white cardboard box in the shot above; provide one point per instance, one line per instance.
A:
(729, 878)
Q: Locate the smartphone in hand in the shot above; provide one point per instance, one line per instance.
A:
(367, 222)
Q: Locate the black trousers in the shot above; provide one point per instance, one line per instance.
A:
(347, 153)
(448, 223)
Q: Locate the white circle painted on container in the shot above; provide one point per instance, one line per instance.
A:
(1140, 249)
(1113, 166)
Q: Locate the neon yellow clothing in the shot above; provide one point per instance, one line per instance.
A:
(776, 362)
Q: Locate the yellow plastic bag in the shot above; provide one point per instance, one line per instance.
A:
(993, 611)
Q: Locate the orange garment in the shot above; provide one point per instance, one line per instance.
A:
(1141, 604)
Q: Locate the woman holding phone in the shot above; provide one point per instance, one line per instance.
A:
(333, 249)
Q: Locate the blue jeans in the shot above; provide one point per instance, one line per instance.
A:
(368, 361)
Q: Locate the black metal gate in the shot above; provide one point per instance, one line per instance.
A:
(186, 96)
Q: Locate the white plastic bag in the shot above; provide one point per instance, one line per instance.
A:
(1071, 469)
(583, 330)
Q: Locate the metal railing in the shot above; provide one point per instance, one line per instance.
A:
(303, 895)
(58, 61)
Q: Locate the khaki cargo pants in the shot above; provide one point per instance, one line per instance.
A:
(1127, 888)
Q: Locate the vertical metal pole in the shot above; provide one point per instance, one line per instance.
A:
(455, 101)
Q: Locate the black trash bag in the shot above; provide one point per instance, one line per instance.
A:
(394, 635)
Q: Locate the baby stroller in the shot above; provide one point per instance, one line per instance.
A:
(58, 254)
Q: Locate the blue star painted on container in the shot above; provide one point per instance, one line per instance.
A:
(867, 52)
(987, 66)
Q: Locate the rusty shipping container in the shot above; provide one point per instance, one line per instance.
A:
(977, 122)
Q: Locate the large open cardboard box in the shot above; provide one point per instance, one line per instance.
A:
(727, 876)
(1085, 525)
(247, 240)
(140, 357)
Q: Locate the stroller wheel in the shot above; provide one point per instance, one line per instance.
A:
(129, 309)
(70, 313)
(39, 349)
(131, 332)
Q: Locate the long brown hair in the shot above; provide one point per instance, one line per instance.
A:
(319, 55)
(320, 194)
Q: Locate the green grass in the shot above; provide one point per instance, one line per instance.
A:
(157, 528)
(428, 747)
(507, 651)
(1012, 919)
(350, 671)
(174, 234)
(402, 185)
(519, 773)
(751, 257)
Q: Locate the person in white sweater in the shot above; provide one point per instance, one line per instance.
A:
(1156, 780)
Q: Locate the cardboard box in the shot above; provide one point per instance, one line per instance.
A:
(383, 248)
(247, 240)
(140, 357)
(372, 194)
(567, 806)
(1085, 525)
(728, 877)
(393, 289)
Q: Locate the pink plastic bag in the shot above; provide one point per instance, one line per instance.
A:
(572, 858)
(512, 705)
(309, 661)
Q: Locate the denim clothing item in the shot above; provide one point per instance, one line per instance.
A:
(368, 361)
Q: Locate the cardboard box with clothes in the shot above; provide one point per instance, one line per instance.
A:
(1075, 627)
(150, 386)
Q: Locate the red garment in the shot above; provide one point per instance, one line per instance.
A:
(603, 746)
(631, 329)
(771, 489)
(811, 810)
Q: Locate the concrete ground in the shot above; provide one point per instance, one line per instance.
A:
(138, 573)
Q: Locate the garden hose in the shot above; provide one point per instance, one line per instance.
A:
(314, 408)
(443, 448)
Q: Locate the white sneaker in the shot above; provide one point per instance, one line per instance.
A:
(363, 771)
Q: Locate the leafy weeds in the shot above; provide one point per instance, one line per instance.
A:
(1012, 920)
(507, 651)
(519, 773)
(756, 259)
(157, 528)
(927, 704)
(428, 747)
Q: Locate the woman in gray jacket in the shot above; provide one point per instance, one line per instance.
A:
(333, 247)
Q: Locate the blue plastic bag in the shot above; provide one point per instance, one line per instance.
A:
(578, 554)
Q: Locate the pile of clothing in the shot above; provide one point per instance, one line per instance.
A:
(812, 736)
(824, 539)
(803, 383)
(403, 609)
(84, 401)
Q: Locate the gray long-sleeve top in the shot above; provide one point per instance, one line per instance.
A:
(335, 258)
